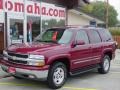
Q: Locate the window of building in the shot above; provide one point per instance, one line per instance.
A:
(33, 27)
(81, 35)
(16, 31)
(94, 36)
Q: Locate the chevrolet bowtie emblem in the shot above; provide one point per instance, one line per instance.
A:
(14, 58)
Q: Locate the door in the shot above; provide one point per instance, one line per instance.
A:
(96, 46)
(81, 54)
(15, 31)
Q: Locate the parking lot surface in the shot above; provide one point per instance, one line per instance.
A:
(87, 81)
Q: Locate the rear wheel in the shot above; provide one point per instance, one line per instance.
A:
(57, 75)
(105, 65)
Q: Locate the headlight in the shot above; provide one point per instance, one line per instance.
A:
(41, 57)
(36, 60)
(5, 53)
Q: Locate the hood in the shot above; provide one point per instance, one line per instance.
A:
(34, 47)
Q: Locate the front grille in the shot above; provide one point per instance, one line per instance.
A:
(17, 61)
(17, 55)
(18, 58)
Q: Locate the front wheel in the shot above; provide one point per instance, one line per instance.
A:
(105, 65)
(57, 75)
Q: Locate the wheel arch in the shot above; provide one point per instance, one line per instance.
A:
(64, 60)
(109, 53)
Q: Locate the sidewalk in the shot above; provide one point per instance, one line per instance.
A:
(117, 54)
(116, 61)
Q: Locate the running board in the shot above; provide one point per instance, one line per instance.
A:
(83, 70)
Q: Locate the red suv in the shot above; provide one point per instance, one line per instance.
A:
(60, 52)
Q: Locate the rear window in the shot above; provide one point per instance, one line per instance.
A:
(106, 35)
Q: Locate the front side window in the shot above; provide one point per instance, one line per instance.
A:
(54, 35)
(81, 35)
(16, 31)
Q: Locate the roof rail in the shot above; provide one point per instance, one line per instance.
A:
(90, 26)
(77, 26)
(84, 26)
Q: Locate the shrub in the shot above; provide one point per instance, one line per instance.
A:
(115, 31)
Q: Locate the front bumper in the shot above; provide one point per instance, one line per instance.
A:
(30, 74)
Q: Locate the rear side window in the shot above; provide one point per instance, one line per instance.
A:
(94, 36)
(106, 35)
(81, 35)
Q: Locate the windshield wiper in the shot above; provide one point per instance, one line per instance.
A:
(46, 41)
(50, 41)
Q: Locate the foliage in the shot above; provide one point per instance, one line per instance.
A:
(52, 23)
(88, 8)
(98, 10)
(115, 31)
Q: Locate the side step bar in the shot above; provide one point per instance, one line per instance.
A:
(83, 70)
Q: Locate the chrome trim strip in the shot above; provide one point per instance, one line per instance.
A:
(86, 58)
(22, 59)
(28, 60)
(86, 61)
(16, 53)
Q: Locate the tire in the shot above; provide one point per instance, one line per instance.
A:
(105, 65)
(57, 75)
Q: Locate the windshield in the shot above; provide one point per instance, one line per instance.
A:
(61, 36)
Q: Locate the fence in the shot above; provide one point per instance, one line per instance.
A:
(115, 31)
(117, 38)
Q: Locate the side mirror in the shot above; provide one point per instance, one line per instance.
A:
(80, 42)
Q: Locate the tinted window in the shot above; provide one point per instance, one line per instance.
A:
(94, 36)
(81, 35)
(106, 36)
(56, 36)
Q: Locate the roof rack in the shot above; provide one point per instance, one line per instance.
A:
(84, 26)
(78, 26)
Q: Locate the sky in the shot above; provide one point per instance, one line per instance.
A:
(115, 3)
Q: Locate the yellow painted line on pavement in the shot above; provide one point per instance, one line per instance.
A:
(33, 85)
(73, 88)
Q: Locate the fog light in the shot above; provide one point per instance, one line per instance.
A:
(5, 58)
(30, 76)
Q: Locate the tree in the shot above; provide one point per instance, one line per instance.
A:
(98, 10)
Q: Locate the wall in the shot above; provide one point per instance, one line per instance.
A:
(77, 19)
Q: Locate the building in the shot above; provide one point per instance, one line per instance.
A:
(76, 17)
(22, 20)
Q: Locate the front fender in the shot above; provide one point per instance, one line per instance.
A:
(56, 57)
